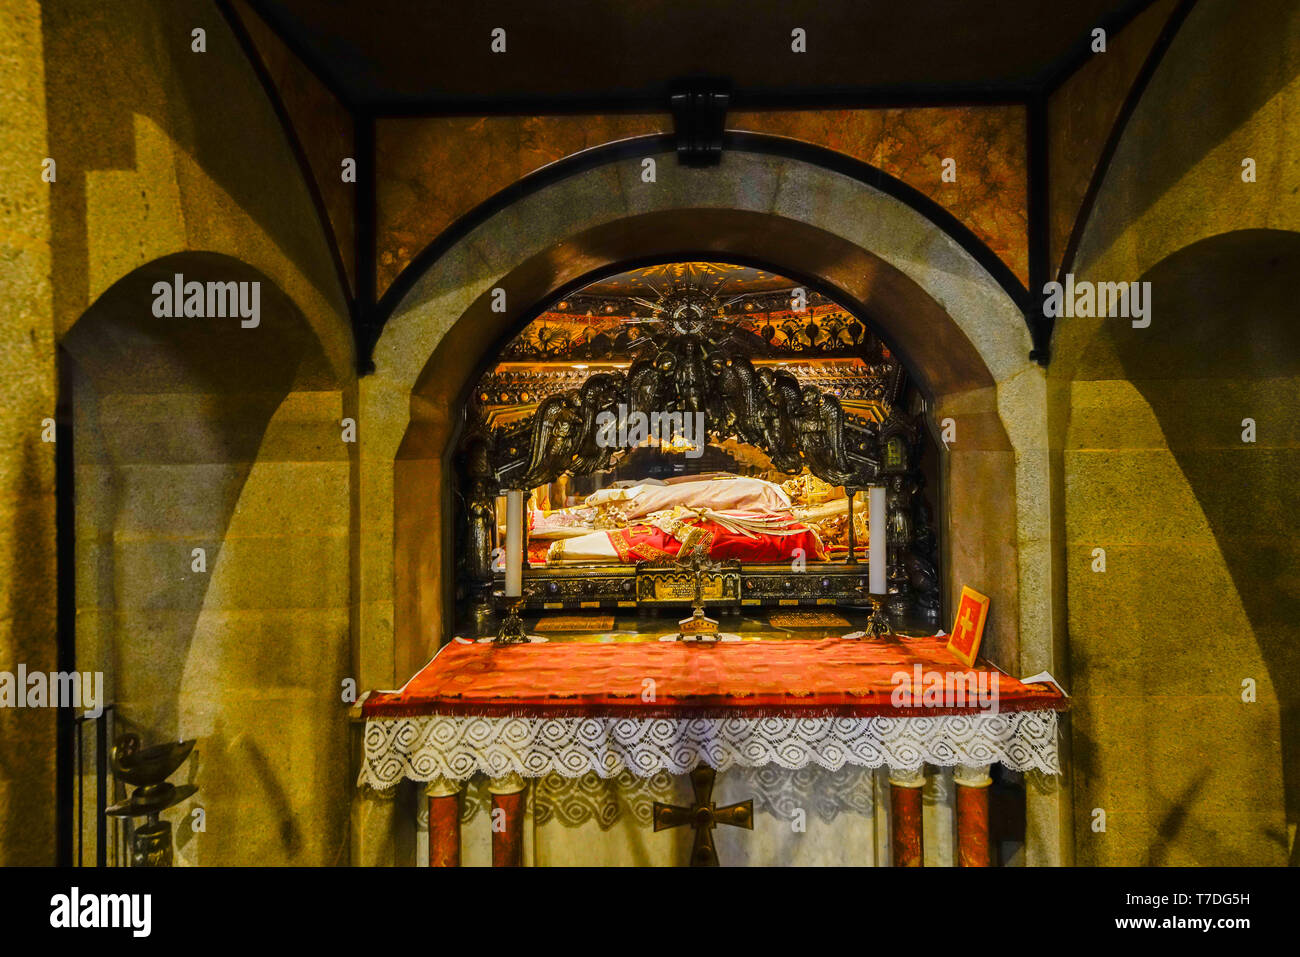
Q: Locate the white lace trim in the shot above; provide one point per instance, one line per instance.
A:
(428, 747)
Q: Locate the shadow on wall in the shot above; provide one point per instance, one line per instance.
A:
(104, 70)
(1224, 347)
(1214, 90)
(26, 770)
(169, 416)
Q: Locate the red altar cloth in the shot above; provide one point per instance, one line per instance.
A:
(641, 543)
(647, 543)
(794, 678)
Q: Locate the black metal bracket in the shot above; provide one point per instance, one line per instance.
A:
(1040, 329)
(699, 109)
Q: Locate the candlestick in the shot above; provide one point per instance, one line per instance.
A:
(877, 561)
(853, 532)
(515, 543)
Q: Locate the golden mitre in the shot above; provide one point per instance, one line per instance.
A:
(808, 489)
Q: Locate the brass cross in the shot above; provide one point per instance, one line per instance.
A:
(698, 605)
(704, 816)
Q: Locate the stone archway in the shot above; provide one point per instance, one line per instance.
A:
(960, 333)
(203, 434)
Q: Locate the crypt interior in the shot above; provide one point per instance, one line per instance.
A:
(827, 264)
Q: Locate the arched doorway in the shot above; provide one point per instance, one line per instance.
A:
(961, 379)
(933, 303)
(718, 372)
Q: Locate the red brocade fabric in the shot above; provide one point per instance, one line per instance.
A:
(638, 543)
(829, 677)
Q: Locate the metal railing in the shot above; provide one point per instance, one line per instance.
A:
(107, 792)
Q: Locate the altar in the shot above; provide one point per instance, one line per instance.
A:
(701, 434)
(833, 734)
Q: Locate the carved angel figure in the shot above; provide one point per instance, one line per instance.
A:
(741, 409)
(783, 401)
(647, 382)
(689, 375)
(821, 435)
(564, 430)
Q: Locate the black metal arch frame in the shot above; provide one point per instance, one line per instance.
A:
(928, 430)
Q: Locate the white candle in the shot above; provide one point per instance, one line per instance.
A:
(514, 543)
(876, 558)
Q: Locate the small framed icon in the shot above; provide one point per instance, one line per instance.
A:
(968, 627)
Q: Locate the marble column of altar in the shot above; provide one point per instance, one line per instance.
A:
(905, 814)
(507, 819)
(444, 822)
(972, 815)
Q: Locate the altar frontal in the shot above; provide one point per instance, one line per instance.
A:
(559, 713)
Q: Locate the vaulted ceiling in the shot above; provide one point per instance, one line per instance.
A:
(356, 77)
(407, 53)
(651, 282)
